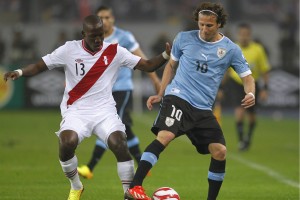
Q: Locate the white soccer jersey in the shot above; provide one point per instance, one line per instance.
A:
(89, 75)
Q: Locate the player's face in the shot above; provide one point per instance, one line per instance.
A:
(93, 37)
(244, 36)
(208, 27)
(108, 20)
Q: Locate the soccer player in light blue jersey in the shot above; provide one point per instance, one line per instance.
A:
(199, 60)
(122, 89)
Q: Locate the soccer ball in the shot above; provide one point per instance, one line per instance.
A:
(165, 193)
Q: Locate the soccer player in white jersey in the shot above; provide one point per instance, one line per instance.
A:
(190, 82)
(122, 90)
(91, 67)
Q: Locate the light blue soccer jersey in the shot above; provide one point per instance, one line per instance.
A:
(202, 66)
(126, 40)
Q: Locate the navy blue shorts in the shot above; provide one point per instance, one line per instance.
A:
(179, 117)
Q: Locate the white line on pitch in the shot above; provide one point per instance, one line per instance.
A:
(146, 120)
(265, 170)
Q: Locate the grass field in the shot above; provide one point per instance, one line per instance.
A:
(30, 168)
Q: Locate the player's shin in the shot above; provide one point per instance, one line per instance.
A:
(216, 175)
(134, 149)
(126, 173)
(148, 160)
(69, 167)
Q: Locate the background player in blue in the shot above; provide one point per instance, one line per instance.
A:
(122, 90)
(199, 60)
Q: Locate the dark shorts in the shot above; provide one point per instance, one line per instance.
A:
(179, 117)
(123, 101)
(237, 93)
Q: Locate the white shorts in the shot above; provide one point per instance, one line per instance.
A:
(85, 123)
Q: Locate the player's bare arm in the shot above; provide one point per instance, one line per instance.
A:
(168, 75)
(29, 70)
(154, 63)
(249, 88)
(152, 75)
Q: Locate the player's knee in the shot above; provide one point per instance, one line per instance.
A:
(68, 140)
(219, 153)
(118, 145)
(165, 137)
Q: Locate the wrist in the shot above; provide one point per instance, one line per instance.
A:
(165, 55)
(160, 95)
(20, 72)
(250, 93)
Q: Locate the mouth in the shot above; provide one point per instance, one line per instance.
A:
(97, 46)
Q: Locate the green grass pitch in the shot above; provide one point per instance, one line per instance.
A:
(30, 168)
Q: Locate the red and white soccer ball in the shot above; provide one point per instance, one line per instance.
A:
(165, 193)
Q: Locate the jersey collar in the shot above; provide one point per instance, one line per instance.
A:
(87, 50)
(211, 42)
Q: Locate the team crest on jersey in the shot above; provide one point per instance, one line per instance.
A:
(169, 121)
(221, 52)
(78, 60)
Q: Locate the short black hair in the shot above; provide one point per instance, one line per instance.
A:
(90, 20)
(215, 8)
(100, 8)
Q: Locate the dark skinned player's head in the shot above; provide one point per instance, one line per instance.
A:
(93, 33)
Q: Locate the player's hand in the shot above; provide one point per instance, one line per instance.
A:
(153, 99)
(13, 75)
(248, 101)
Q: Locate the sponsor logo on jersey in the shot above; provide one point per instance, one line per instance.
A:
(6, 90)
(169, 121)
(221, 52)
(78, 60)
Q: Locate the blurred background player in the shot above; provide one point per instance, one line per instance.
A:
(122, 90)
(258, 62)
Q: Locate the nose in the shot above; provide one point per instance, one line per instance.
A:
(204, 28)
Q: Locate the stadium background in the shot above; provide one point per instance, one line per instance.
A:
(32, 28)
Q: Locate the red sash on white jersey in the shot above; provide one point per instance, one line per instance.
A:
(93, 74)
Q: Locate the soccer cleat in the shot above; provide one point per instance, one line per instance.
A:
(75, 194)
(136, 193)
(85, 172)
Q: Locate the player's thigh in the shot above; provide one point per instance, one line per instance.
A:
(201, 138)
(206, 131)
(170, 115)
(110, 124)
(77, 123)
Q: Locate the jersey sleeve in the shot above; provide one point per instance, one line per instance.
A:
(239, 63)
(130, 42)
(176, 51)
(56, 58)
(127, 58)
